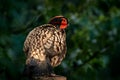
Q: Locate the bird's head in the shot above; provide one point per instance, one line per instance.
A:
(59, 21)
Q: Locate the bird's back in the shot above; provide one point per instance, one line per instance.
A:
(46, 42)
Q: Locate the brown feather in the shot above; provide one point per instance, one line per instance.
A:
(44, 42)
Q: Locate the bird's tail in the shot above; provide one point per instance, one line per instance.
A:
(36, 68)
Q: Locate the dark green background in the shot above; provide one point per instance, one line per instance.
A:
(93, 36)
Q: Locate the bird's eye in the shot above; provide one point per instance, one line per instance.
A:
(63, 20)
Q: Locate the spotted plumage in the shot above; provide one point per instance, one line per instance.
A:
(45, 47)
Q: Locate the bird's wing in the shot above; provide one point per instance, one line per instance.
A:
(31, 41)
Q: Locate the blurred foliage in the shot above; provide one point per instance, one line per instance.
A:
(93, 36)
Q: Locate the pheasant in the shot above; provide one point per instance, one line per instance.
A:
(45, 47)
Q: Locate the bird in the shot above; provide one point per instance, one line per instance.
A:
(45, 47)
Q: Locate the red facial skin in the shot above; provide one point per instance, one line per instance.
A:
(63, 24)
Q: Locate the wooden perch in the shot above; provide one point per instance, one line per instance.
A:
(35, 73)
(51, 78)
